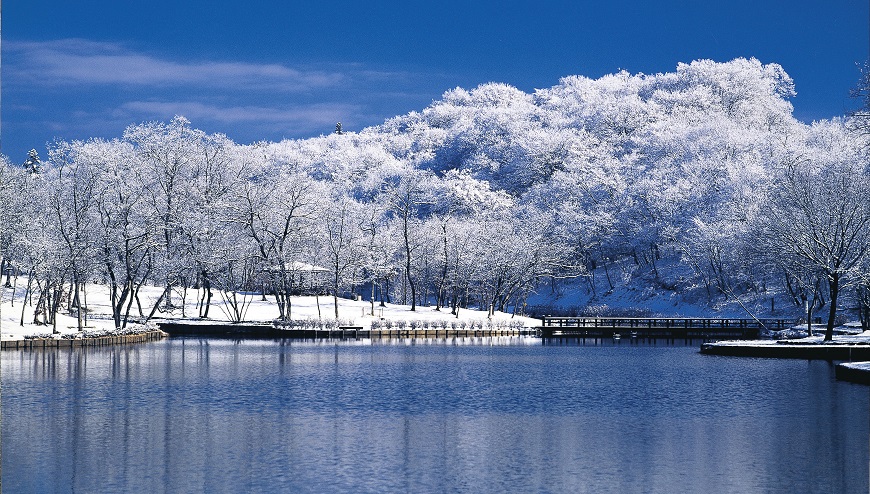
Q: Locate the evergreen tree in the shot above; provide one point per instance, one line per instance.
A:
(33, 165)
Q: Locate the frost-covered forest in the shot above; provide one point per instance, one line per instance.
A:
(698, 182)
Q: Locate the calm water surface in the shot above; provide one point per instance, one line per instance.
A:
(466, 415)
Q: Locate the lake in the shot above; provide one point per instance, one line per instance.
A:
(461, 415)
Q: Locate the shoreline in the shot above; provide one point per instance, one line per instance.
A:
(127, 339)
(270, 330)
(846, 351)
(853, 372)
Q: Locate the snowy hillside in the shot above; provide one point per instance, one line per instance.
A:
(690, 192)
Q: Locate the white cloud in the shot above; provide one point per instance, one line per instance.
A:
(78, 88)
(306, 115)
(78, 61)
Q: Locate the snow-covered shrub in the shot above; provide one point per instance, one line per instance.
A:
(786, 334)
(516, 324)
(133, 329)
(96, 333)
(38, 336)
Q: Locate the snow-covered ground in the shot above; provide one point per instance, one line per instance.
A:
(856, 339)
(864, 366)
(307, 307)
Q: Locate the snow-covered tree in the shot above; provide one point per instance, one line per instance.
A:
(127, 229)
(169, 155)
(343, 245)
(33, 165)
(406, 200)
(473, 199)
(820, 216)
(73, 186)
(278, 209)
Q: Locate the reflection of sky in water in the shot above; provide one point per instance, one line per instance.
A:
(474, 415)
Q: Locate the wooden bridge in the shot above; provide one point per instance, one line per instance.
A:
(658, 327)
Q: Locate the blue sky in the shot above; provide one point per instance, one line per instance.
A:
(265, 70)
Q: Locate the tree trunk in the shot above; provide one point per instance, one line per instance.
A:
(864, 306)
(27, 295)
(78, 303)
(57, 299)
(205, 300)
(809, 308)
(834, 288)
(7, 268)
(85, 301)
(167, 295)
(335, 281)
(184, 301)
(130, 296)
(408, 263)
(289, 301)
(607, 273)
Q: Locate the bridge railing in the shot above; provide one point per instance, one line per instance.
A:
(665, 323)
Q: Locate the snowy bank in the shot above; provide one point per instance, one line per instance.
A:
(304, 310)
(855, 372)
(842, 347)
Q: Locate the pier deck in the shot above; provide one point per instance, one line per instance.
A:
(658, 327)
